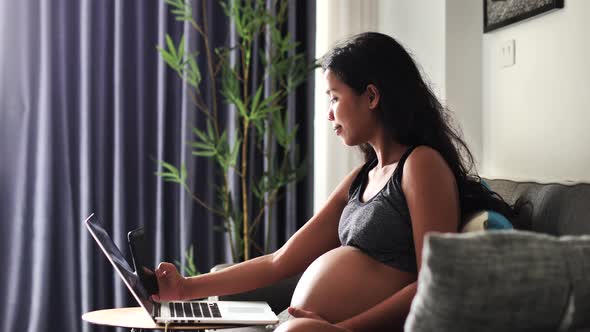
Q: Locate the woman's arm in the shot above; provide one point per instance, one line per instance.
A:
(431, 193)
(316, 237)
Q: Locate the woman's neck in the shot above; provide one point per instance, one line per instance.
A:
(387, 150)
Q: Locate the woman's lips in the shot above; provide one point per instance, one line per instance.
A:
(337, 129)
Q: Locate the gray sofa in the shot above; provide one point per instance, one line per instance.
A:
(555, 209)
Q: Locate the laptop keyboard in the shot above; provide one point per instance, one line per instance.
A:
(194, 309)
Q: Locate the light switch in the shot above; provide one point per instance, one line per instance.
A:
(508, 53)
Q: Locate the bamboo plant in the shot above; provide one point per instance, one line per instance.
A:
(261, 115)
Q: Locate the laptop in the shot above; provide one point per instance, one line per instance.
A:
(179, 312)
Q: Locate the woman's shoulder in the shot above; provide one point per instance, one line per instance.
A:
(424, 161)
(424, 155)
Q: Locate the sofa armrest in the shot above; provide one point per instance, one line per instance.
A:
(277, 295)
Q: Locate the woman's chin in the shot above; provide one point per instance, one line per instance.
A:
(347, 141)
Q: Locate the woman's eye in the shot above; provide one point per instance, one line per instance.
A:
(333, 100)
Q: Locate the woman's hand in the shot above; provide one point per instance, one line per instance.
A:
(300, 313)
(170, 283)
(314, 322)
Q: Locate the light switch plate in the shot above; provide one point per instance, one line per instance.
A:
(508, 53)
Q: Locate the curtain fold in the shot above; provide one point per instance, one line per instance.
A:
(86, 109)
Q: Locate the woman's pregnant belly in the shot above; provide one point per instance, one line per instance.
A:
(344, 282)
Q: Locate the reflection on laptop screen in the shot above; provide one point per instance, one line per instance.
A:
(119, 262)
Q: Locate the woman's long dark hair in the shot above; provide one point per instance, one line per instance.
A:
(412, 113)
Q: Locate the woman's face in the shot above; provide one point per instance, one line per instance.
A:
(349, 113)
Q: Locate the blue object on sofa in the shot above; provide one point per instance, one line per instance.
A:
(485, 220)
(493, 219)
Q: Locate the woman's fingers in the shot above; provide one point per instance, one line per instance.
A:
(300, 313)
(164, 268)
(168, 282)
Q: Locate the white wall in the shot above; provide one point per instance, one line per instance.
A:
(530, 121)
(536, 114)
(336, 20)
(417, 24)
(463, 74)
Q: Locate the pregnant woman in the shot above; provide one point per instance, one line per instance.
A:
(361, 252)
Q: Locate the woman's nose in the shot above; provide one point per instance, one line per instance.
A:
(330, 115)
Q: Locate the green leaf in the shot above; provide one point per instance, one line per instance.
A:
(168, 58)
(235, 152)
(241, 107)
(256, 98)
(291, 137)
(191, 72)
(183, 173)
(204, 153)
(225, 8)
(169, 167)
(257, 192)
(171, 179)
(203, 146)
(165, 176)
(173, 3)
(277, 123)
(201, 135)
(210, 131)
(171, 46)
(273, 97)
(194, 68)
(222, 142)
(181, 48)
(271, 110)
(190, 268)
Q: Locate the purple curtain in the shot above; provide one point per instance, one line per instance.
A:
(86, 107)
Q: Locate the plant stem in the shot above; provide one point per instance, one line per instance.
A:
(202, 203)
(228, 215)
(244, 191)
(202, 107)
(205, 34)
(271, 200)
(257, 247)
(246, 126)
(212, 74)
(232, 246)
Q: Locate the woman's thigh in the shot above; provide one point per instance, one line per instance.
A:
(308, 325)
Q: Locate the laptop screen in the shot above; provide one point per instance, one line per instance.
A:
(116, 258)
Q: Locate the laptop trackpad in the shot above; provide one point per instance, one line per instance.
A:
(245, 310)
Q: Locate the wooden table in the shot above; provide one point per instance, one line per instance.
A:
(137, 318)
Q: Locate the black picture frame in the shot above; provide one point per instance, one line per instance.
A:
(500, 13)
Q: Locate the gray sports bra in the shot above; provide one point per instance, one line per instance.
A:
(380, 227)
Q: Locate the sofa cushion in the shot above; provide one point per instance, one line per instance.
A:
(502, 281)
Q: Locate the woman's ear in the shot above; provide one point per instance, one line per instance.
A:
(373, 96)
